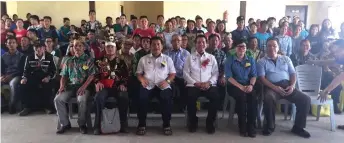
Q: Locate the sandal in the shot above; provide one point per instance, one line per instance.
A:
(167, 131)
(341, 127)
(141, 131)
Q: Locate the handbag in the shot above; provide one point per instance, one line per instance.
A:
(110, 122)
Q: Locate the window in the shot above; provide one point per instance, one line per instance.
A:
(334, 14)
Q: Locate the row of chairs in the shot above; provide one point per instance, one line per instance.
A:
(308, 82)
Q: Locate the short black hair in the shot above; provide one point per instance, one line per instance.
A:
(177, 16)
(132, 17)
(38, 45)
(143, 16)
(124, 15)
(253, 23)
(65, 19)
(168, 21)
(182, 18)
(91, 11)
(263, 22)
(251, 38)
(271, 18)
(184, 35)
(211, 36)
(200, 31)
(19, 19)
(91, 31)
(151, 24)
(192, 21)
(83, 20)
(155, 38)
(157, 17)
(136, 35)
(47, 17)
(12, 38)
(198, 17)
(35, 17)
(201, 36)
(117, 18)
(33, 31)
(108, 18)
(240, 18)
(211, 22)
(250, 19)
(238, 42)
(145, 37)
(272, 39)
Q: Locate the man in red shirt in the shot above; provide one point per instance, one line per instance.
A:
(144, 30)
(20, 31)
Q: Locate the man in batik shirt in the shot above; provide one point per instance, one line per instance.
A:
(111, 81)
(78, 72)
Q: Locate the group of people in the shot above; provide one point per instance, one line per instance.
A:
(135, 62)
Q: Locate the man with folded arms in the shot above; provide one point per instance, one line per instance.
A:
(155, 71)
(201, 73)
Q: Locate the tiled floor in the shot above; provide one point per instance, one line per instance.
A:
(39, 128)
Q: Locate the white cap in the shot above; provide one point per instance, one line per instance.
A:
(110, 43)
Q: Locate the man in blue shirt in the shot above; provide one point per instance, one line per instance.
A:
(263, 35)
(241, 73)
(47, 30)
(11, 69)
(240, 32)
(178, 56)
(278, 75)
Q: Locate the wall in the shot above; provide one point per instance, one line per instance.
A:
(56, 10)
(107, 8)
(149, 8)
(205, 9)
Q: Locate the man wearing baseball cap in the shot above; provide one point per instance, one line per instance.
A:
(240, 32)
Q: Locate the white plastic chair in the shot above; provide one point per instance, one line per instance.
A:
(309, 81)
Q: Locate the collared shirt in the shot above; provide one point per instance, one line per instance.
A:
(285, 43)
(10, 64)
(181, 30)
(255, 54)
(138, 55)
(77, 69)
(299, 59)
(203, 29)
(178, 57)
(220, 57)
(197, 69)
(133, 51)
(96, 25)
(119, 28)
(155, 69)
(241, 71)
(115, 70)
(237, 34)
(43, 33)
(275, 72)
(158, 28)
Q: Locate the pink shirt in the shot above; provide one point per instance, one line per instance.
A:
(20, 34)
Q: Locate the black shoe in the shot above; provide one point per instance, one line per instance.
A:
(63, 129)
(267, 132)
(337, 110)
(25, 112)
(210, 128)
(124, 127)
(243, 134)
(11, 111)
(193, 126)
(83, 129)
(96, 131)
(252, 134)
(300, 132)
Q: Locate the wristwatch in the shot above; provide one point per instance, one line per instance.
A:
(168, 81)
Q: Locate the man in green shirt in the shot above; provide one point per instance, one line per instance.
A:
(122, 27)
(78, 72)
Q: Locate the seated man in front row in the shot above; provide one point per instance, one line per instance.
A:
(36, 85)
(79, 72)
(201, 73)
(111, 81)
(278, 75)
(155, 71)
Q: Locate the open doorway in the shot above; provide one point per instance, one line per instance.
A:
(3, 8)
(299, 10)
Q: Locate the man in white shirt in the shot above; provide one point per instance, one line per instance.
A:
(201, 73)
(155, 72)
